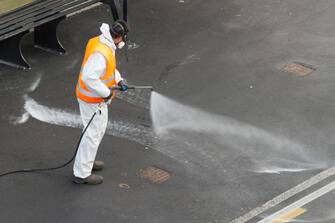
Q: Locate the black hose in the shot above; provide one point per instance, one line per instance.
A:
(57, 167)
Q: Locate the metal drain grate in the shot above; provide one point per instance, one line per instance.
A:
(154, 174)
(298, 69)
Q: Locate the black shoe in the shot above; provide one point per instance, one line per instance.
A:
(98, 165)
(91, 180)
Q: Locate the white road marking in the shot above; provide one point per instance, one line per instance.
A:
(286, 195)
(299, 203)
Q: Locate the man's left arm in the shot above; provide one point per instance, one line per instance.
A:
(119, 81)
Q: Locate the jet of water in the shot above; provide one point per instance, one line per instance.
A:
(212, 136)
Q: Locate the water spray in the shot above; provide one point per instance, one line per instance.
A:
(131, 87)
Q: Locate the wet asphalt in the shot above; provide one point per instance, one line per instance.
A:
(220, 56)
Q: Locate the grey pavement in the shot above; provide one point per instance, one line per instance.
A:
(222, 57)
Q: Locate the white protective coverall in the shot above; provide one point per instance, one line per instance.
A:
(93, 69)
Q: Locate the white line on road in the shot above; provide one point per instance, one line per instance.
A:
(301, 202)
(286, 195)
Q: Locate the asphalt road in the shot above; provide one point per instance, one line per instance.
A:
(217, 57)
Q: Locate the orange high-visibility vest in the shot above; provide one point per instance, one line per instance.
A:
(82, 92)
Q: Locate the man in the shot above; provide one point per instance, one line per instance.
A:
(98, 74)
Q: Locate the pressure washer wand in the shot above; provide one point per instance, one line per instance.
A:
(132, 87)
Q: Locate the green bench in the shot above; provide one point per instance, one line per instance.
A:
(42, 18)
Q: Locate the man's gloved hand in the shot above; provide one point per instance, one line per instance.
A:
(123, 86)
(108, 97)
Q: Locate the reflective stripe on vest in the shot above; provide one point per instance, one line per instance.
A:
(82, 91)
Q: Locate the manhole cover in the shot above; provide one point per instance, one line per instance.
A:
(299, 69)
(154, 174)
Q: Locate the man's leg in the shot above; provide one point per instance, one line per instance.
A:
(90, 142)
(104, 119)
(99, 165)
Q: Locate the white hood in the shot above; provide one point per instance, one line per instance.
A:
(104, 28)
(106, 36)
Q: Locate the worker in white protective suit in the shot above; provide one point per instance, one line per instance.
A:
(98, 74)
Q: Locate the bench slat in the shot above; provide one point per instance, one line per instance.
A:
(29, 22)
(23, 7)
(32, 13)
(30, 8)
(51, 16)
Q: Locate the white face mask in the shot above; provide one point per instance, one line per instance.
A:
(121, 44)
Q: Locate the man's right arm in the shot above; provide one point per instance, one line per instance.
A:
(93, 69)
